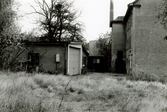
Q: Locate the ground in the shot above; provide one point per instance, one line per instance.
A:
(93, 92)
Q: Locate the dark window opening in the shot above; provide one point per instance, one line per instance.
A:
(33, 58)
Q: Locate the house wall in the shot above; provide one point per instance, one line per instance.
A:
(129, 33)
(148, 48)
(48, 58)
(118, 41)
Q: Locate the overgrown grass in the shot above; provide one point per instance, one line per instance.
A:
(143, 76)
(22, 92)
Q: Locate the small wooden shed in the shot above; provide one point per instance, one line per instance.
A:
(97, 64)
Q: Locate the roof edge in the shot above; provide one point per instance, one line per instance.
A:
(116, 22)
(130, 8)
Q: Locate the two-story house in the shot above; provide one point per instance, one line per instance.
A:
(140, 37)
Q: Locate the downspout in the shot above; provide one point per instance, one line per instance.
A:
(65, 59)
(81, 59)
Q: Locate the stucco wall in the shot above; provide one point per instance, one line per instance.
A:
(47, 60)
(149, 48)
(129, 33)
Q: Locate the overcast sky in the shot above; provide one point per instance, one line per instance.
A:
(95, 15)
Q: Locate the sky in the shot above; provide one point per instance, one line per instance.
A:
(95, 15)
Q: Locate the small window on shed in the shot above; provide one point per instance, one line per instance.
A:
(98, 60)
(33, 58)
(94, 60)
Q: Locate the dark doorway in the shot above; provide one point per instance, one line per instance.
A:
(120, 63)
(120, 54)
(33, 61)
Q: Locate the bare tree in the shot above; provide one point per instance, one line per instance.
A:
(59, 21)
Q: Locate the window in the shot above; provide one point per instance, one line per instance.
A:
(33, 58)
(96, 61)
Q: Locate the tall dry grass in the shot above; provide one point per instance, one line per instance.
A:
(22, 92)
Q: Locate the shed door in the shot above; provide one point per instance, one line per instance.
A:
(74, 61)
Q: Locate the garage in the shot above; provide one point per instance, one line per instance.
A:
(74, 61)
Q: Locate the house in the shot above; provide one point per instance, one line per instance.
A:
(65, 57)
(99, 59)
(97, 63)
(138, 38)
